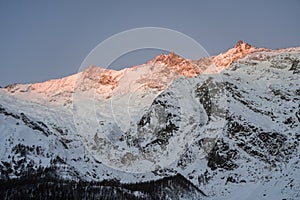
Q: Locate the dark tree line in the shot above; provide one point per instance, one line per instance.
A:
(51, 187)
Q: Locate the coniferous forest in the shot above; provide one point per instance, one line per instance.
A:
(48, 186)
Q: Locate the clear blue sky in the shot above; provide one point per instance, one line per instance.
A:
(41, 40)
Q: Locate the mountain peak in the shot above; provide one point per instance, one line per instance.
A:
(169, 59)
(240, 50)
(242, 45)
(177, 63)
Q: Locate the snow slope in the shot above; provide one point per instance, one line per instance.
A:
(233, 134)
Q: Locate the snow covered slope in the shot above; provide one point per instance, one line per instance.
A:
(231, 133)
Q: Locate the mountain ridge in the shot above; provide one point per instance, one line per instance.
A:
(106, 80)
(172, 60)
(234, 132)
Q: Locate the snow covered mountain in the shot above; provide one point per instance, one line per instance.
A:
(224, 127)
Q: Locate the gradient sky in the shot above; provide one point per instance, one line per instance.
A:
(41, 40)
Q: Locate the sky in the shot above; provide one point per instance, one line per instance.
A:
(42, 40)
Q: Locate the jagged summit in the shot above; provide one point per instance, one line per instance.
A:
(171, 58)
(242, 45)
(175, 62)
(240, 50)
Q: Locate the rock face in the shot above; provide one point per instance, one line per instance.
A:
(228, 135)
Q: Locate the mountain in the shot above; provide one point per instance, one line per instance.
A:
(223, 127)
